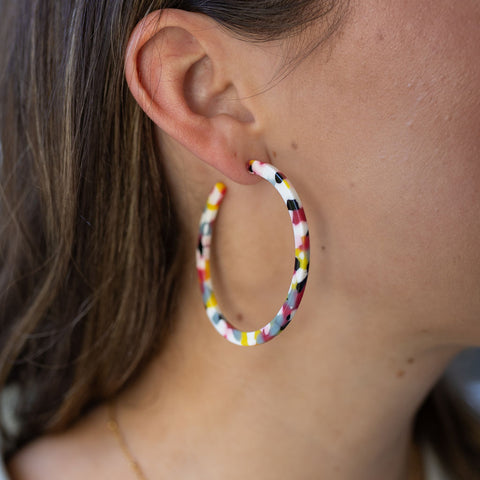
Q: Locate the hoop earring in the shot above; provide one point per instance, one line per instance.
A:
(300, 273)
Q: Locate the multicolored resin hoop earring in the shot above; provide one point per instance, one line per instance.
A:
(302, 258)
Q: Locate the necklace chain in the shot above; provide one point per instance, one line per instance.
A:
(113, 426)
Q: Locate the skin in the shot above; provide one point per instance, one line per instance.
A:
(379, 132)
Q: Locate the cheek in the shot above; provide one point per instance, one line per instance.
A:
(388, 130)
(410, 119)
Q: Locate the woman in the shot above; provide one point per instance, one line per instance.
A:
(118, 118)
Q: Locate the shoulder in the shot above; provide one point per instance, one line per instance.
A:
(42, 459)
(85, 451)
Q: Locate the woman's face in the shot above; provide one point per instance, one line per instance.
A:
(379, 130)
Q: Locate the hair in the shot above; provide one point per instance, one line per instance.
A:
(90, 242)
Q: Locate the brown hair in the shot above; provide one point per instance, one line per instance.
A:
(90, 245)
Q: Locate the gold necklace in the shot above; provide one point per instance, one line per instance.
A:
(113, 426)
(417, 462)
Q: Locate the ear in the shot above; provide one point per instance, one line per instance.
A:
(182, 69)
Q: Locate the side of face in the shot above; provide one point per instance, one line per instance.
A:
(380, 132)
(378, 129)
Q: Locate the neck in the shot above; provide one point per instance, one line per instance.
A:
(337, 405)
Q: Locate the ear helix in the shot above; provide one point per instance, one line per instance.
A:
(300, 273)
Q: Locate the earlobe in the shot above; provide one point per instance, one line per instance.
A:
(174, 68)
